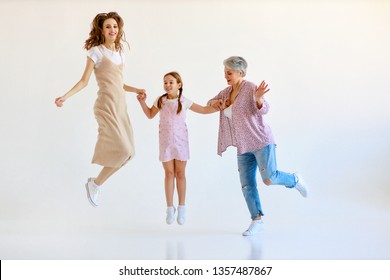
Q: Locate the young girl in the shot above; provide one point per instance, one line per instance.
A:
(173, 138)
(115, 145)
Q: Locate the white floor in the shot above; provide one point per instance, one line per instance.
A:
(320, 237)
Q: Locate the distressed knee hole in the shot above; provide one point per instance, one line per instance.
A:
(267, 182)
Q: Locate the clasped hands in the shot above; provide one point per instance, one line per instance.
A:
(222, 104)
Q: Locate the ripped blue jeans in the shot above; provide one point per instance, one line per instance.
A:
(265, 160)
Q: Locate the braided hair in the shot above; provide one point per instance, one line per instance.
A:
(179, 81)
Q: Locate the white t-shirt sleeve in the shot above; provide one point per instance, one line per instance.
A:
(186, 103)
(155, 102)
(95, 54)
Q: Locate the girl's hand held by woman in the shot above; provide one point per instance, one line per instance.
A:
(218, 104)
(141, 96)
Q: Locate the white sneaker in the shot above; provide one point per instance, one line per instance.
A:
(170, 214)
(181, 214)
(301, 185)
(255, 227)
(92, 192)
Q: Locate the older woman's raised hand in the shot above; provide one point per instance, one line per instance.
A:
(261, 90)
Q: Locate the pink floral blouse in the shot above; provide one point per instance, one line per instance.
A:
(246, 129)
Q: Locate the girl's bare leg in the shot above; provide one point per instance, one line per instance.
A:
(181, 183)
(169, 181)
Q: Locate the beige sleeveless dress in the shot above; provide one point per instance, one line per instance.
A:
(115, 143)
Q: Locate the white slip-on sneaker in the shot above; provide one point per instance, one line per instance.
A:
(181, 214)
(170, 214)
(301, 185)
(92, 192)
(255, 227)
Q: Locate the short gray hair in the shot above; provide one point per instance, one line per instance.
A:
(236, 63)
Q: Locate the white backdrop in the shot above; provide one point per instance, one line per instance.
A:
(327, 64)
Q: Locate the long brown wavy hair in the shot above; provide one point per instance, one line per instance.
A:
(179, 81)
(96, 37)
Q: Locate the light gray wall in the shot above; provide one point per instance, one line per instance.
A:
(327, 64)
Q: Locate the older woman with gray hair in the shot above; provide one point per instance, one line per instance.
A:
(241, 125)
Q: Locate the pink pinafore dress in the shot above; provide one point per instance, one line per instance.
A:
(173, 134)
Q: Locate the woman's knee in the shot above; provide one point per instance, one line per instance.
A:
(268, 179)
(267, 182)
(125, 149)
(249, 187)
